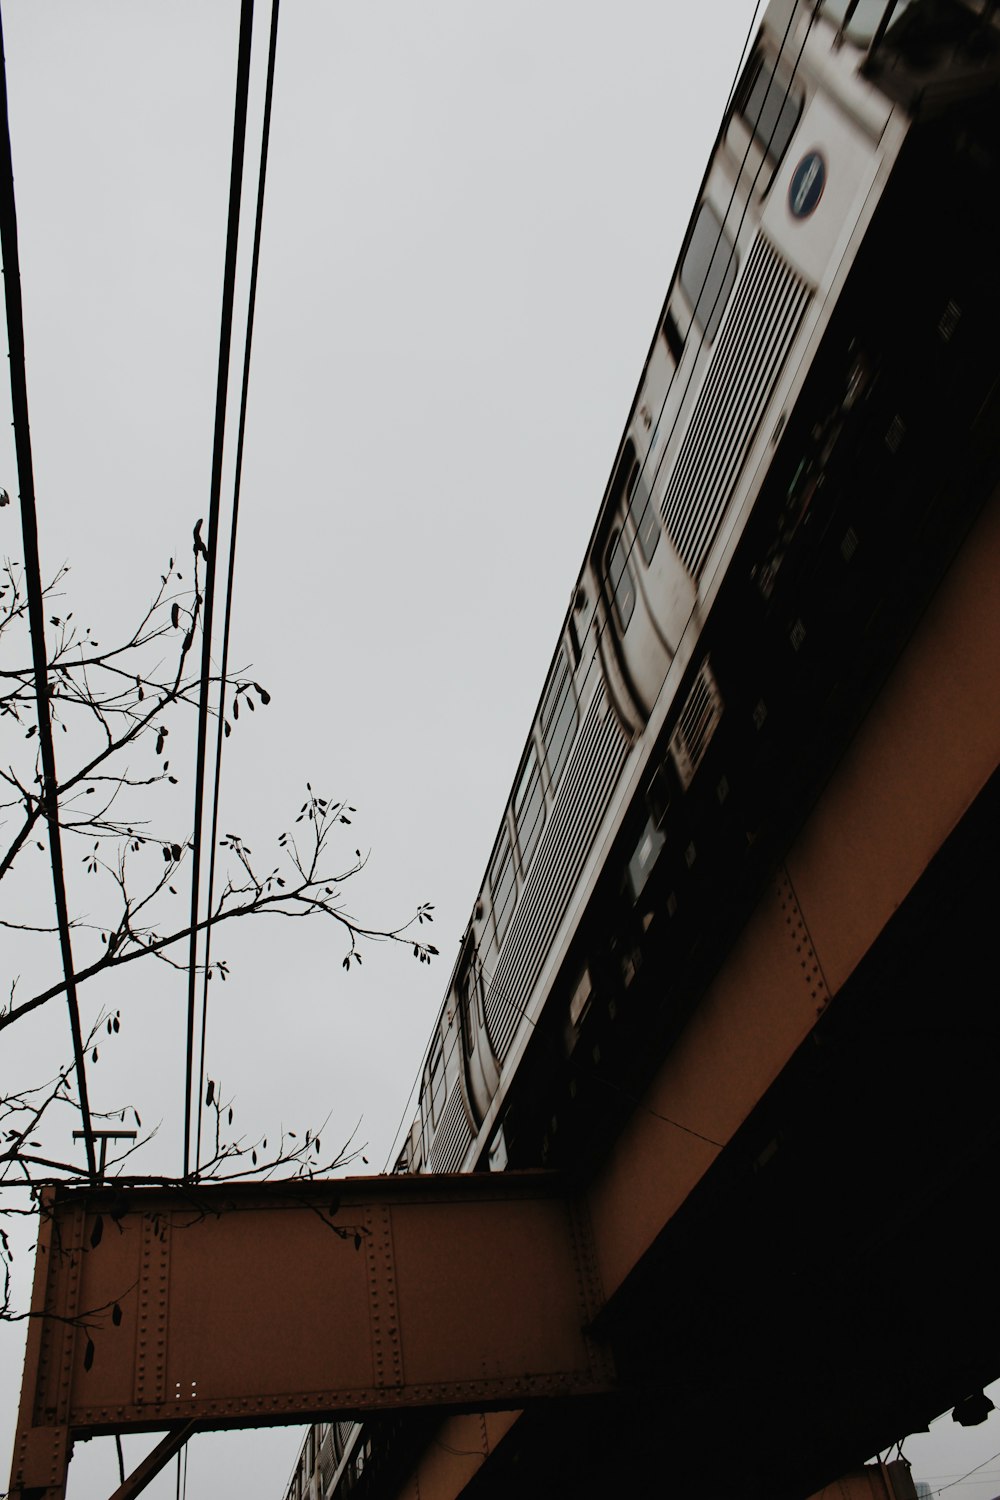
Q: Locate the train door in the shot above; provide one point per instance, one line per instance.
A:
(648, 595)
(482, 1074)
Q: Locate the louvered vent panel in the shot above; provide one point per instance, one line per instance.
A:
(696, 725)
(588, 782)
(764, 316)
(453, 1135)
(327, 1461)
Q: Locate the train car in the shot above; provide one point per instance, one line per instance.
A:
(811, 435)
(329, 1451)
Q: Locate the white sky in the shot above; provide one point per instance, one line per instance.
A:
(472, 216)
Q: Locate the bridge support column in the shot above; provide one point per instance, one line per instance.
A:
(458, 1450)
(873, 1482)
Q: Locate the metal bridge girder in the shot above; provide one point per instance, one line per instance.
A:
(241, 1305)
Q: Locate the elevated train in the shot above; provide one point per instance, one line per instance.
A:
(813, 432)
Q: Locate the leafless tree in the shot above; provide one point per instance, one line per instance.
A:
(116, 710)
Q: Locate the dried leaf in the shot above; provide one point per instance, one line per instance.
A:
(88, 1354)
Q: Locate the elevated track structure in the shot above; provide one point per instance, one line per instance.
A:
(785, 1251)
(726, 1003)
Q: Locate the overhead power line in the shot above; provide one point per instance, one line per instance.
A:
(224, 667)
(215, 494)
(33, 583)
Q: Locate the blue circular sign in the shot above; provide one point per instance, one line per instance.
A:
(808, 182)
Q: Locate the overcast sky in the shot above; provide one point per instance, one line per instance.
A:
(472, 216)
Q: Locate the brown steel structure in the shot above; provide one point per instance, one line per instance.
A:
(237, 1307)
(873, 1482)
(240, 1307)
(465, 1443)
(929, 746)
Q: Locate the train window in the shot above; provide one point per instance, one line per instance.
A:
(620, 578)
(581, 997)
(672, 336)
(498, 1151)
(770, 109)
(574, 640)
(558, 718)
(426, 1123)
(583, 609)
(438, 1082)
(470, 1000)
(529, 808)
(640, 509)
(502, 884)
(708, 269)
(647, 852)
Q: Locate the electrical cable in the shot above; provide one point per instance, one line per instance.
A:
(251, 306)
(35, 591)
(221, 395)
(967, 1474)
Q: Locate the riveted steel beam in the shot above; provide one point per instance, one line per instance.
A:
(873, 1482)
(929, 745)
(240, 1306)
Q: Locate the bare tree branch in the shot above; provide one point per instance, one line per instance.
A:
(119, 706)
